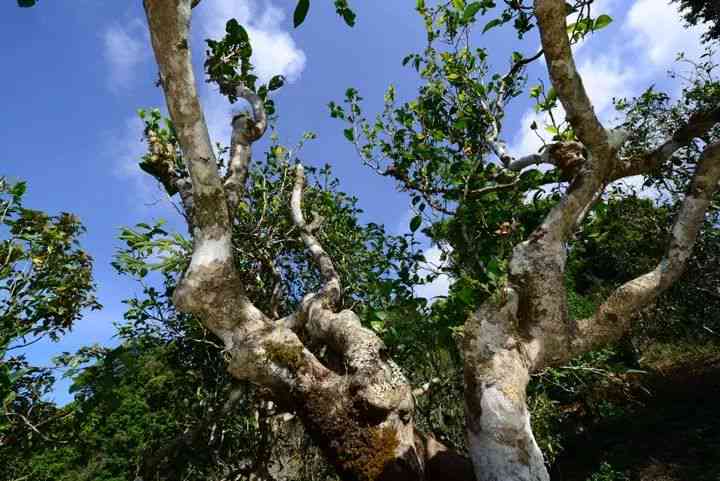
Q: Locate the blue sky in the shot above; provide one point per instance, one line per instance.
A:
(76, 71)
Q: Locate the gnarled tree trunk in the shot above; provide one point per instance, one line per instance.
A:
(362, 415)
(526, 327)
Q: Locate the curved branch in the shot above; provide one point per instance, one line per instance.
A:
(516, 165)
(613, 317)
(245, 131)
(331, 290)
(496, 145)
(258, 125)
(698, 125)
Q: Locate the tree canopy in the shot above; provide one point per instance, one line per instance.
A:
(281, 337)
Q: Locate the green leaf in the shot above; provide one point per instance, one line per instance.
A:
(19, 189)
(26, 3)
(471, 10)
(349, 135)
(415, 223)
(459, 4)
(492, 24)
(602, 21)
(377, 326)
(300, 12)
(276, 82)
(343, 9)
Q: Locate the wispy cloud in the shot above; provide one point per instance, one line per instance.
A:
(125, 48)
(658, 33)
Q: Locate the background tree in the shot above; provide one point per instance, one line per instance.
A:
(45, 285)
(702, 11)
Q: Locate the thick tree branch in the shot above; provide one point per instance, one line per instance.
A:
(551, 16)
(497, 369)
(613, 317)
(210, 288)
(169, 31)
(362, 408)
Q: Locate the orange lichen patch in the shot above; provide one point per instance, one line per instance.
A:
(361, 451)
(368, 450)
(286, 355)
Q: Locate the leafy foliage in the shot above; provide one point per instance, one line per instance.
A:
(161, 404)
(702, 11)
(228, 65)
(45, 278)
(45, 285)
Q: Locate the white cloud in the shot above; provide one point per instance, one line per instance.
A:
(526, 141)
(606, 77)
(125, 47)
(659, 32)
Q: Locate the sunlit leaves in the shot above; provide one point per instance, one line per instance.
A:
(586, 25)
(45, 276)
(228, 60)
(228, 65)
(45, 286)
(492, 24)
(471, 10)
(151, 248)
(602, 21)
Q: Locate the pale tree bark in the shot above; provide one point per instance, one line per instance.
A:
(526, 326)
(361, 413)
